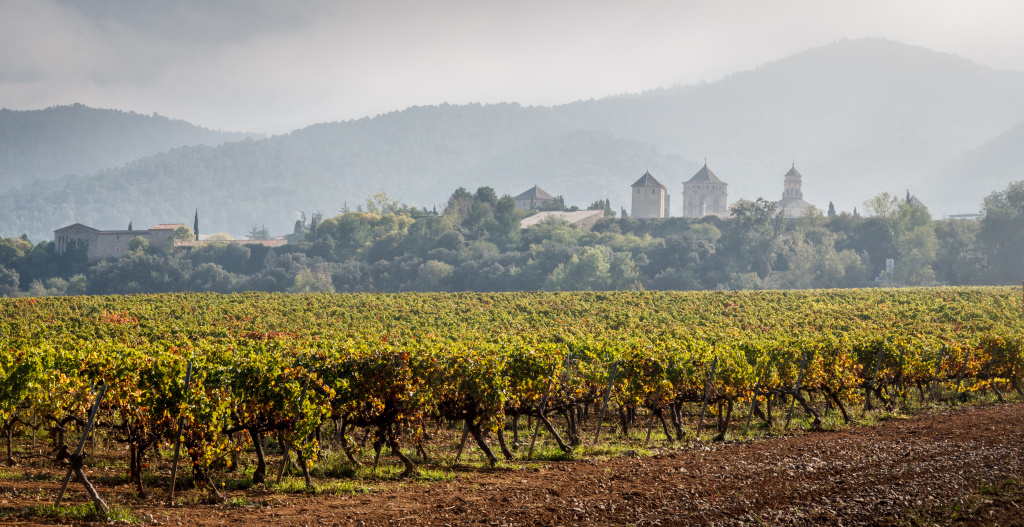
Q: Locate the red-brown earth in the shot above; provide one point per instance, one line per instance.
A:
(962, 466)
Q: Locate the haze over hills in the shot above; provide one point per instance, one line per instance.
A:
(857, 117)
(61, 140)
(991, 165)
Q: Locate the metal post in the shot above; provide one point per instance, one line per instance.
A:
(177, 437)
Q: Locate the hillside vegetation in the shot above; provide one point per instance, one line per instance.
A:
(61, 140)
(857, 117)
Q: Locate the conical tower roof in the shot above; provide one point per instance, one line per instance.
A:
(647, 180)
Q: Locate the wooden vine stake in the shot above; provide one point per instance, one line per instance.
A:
(753, 403)
(284, 456)
(75, 466)
(177, 437)
(604, 407)
(543, 405)
(935, 378)
(707, 394)
(796, 390)
(874, 377)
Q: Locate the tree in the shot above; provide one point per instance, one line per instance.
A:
(258, 232)
(602, 204)
(129, 225)
(1002, 233)
(486, 195)
(195, 225)
(755, 235)
(459, 202)
(597, 268)
(831, 210)
(381, 203)
(312, 281)
(78, 285)
(184, 234)
(9, 282)
(139, 244)
(912, 234)
(433, 275)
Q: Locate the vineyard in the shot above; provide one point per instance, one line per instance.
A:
(371, 376)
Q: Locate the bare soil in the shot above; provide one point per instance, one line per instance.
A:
(959, 467)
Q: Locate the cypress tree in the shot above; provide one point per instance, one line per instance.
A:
(195, 225)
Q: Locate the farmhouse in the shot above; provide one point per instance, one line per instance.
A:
(110, 244)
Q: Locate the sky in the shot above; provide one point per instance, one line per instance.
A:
(272, 66)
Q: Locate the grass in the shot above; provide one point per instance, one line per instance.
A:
(292, 485)
(6, 475)
(83, 512)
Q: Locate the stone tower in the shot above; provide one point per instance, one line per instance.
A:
(704, 194)
(650, 198)
(792, 202)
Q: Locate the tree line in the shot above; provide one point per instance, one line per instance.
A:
(476, 244)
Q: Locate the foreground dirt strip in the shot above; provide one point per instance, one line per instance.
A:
(959, 466)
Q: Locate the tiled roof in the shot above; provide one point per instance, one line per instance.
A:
(535, 193)
(704, 175)
(647, 180)
(273, 242)
(580, 217)
(167, 226)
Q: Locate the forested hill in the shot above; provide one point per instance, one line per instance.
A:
(857, 117)
(47, 144)
(986, 167)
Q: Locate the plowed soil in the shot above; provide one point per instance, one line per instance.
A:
(963, 466)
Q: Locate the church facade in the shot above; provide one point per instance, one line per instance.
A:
(792, 203)
(705, 194)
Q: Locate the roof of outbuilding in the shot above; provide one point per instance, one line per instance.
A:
(536, 193)
(647, 180)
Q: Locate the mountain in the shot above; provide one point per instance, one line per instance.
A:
(47, 144)
(858, 117)
(981, 171)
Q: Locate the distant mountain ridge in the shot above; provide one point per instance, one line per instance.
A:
(76, 139)
(857, 117)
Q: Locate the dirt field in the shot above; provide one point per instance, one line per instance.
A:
(962, 466)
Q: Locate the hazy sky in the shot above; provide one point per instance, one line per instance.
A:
(272, 66)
